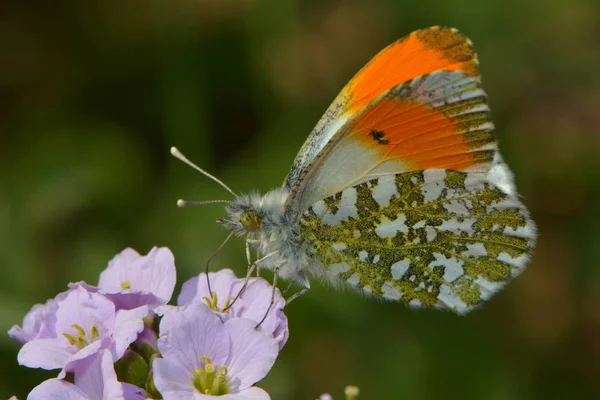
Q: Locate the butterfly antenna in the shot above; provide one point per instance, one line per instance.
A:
(185, 203)
(176, 153)
(211, 258)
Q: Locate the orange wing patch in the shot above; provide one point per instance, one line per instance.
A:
(419, 53)
(455, 135)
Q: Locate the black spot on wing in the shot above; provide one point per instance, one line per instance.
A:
(379, 136)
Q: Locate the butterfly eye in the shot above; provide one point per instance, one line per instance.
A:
(251, 220)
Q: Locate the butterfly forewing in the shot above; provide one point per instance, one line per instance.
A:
(437, 237)
(419, 53)
(440, 120)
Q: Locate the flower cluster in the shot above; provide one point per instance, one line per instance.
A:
(121, 340)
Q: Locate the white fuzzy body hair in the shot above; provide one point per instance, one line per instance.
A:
(279, 233)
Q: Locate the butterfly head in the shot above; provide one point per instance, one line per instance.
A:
(244, 218)
(254, 214)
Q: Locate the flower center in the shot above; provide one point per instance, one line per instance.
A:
(82, 340)
(212, 303)
(125, 285)
(210, 379)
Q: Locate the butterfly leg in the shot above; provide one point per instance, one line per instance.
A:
(211, 258)
(248, 256)
(248, 242)
(275, 273)
(248, 274)
(258, 266)
(287, 289)
(296, 295)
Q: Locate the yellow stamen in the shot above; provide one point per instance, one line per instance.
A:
(210, 379)
(79, 329)
(213, 303)
(94, 334)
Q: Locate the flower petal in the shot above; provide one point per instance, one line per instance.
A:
(88, 351)
(32, 324)
(252, 352)
(43, 353)
(132, 392)
(161, 273)
(254, 303)
(128, 324)
(170, 377)
(90, 311)
(130, 273)
(185, 395)
(197, 287)
(40, 321)
(116, 272)
(129, 301)
(96, 376)
(253, 393)
(190, 332)
(56, 389)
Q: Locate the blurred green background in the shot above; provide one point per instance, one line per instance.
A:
(93, 93)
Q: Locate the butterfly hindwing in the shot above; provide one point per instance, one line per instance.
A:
(437, 238)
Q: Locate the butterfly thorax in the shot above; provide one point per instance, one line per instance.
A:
(265, 224)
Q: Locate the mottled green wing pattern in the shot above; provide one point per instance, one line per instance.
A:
(433, 238)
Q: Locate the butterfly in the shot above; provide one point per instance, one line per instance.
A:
(400, 190)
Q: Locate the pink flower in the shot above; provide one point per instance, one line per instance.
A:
(39, 322)
(83, 324)
(132, 280)
(204, 356)
(253, 303)
(95, 379)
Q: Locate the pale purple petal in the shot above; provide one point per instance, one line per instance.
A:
(84, 285)
(152, 275)
(132, 392)
(56, 389)
(252, 393)
(13, 398)
(128, 324)
(86, 310)
(118, 271)
(32, 324)
(162, 310)
(87, 351)
(185, 395)
(197, 287)
(129, 301)
(147, 337)
(252, 353)
(190, 332)
(171, 377)
(254, 303)
(325, 396)
(40, 321)
(96, 376)
(43, 353)
(77, 310)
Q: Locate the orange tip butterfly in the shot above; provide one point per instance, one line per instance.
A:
(400, 190)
